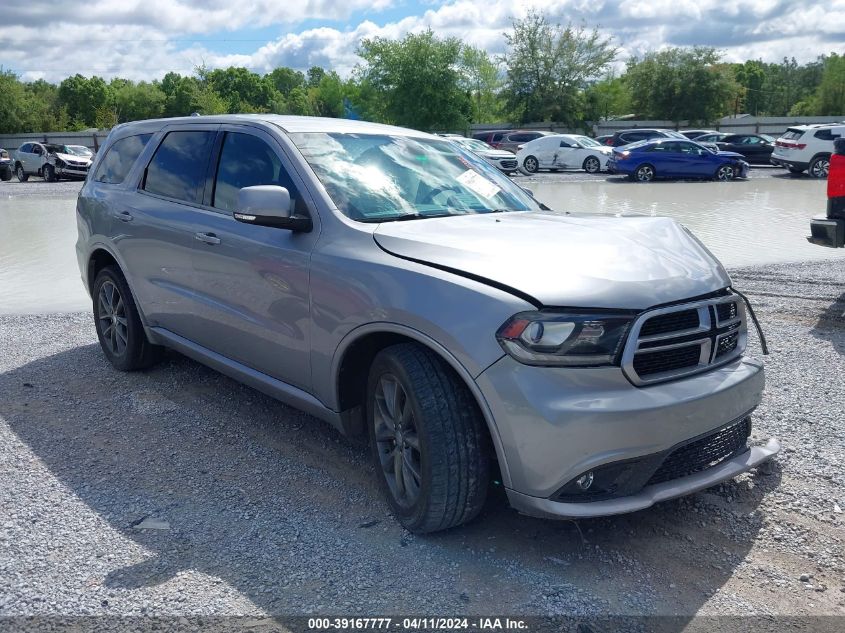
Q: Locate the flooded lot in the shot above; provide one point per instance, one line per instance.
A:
(744, 223)
(759, 221)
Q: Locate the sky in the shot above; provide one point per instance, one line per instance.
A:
(144, 39)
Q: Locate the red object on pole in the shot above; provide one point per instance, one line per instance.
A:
(836, 177)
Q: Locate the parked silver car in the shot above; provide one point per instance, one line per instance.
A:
(411, 295)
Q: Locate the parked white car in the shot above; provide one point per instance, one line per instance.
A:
(51, 161)
(807, 148)
(500, 158)
(563, 151)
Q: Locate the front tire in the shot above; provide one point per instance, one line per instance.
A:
(21, 174)
(819, 167)
(427, 439)
(50, 173)
(644, 173)
(118, 323)
(5, 173)
(725, 173)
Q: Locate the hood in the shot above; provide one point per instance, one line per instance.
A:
(73, 158)
(496, 154)
(582, 261)
(729, 154)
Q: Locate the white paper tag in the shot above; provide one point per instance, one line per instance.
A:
(478, 183)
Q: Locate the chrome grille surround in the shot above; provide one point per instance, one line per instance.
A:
(711, 330)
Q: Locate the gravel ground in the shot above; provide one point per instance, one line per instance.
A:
(177, 491)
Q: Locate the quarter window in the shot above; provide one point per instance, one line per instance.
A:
(120, 157)
(177, 169)
(246, 161)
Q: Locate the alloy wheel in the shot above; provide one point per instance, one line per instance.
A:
(820, 168)
(113, 321)
(645, 173)
(725, 173)
(397, 440)
(592, 165)
(531, 165)
(20, 173)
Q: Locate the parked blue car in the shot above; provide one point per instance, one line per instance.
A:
(671, 158)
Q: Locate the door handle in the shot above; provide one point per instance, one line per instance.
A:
(123, 216)
(207, 238)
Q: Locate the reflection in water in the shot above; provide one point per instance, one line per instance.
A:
(750, 222)
(758, 221)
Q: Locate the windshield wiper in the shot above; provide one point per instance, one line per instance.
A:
(407, 216)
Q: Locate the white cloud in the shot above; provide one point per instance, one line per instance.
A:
(143, 40)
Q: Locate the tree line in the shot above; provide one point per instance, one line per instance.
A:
(550, 72)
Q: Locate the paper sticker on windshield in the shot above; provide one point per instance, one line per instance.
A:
(478, 183)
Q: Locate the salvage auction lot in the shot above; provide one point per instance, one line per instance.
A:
(177, 491)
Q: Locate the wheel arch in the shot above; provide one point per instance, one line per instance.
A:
(102, 256)
(350, 370)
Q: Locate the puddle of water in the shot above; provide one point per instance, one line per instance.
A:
(744, 223)
(38, 270)
(759, 221)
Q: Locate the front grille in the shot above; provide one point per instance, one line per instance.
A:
(667, 360)
(671, 322)
(509, 164)
(703, 453)
(669, 343)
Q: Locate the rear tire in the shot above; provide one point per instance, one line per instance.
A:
(118, 323)
(819, 167)
(530, 165)
(21, 174)
(644, 173)
(592, 165)
(427, 439)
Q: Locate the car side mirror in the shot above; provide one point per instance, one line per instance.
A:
(269, 205)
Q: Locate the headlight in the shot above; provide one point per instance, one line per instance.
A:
(567, 339)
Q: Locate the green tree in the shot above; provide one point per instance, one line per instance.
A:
(481, 79)
(83, 97)
(327, 96)
(286, 79)
(830, 96)
(548, 66)
(133, 101)
(752, 76)
(681, 83)
(417, 80)
(241, 89)
(607, 98)
(315, 76)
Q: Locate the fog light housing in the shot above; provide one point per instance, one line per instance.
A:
(585, 481)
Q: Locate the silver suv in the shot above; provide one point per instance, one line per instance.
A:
(402, 289)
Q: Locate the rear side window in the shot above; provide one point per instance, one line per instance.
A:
(497, 137)
(177, 169)
(120, 157)
(25, 148)
(826, 134)
(246, 161)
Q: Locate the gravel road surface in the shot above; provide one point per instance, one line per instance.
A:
(177, 491)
